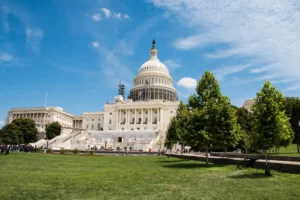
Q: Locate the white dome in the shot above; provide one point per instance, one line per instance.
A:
(154, 65)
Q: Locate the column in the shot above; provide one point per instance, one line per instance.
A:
(117, 116)
(151, 116)
(148, 120)
(134, 116)
(142, 121)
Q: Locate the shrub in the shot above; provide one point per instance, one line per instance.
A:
(75, 151)
(49, 150)
(62, 150)
(38, 150)
(91, 153)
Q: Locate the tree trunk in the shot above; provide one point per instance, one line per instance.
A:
(298, 148)
(206, 154)
(181, 152)
(246, 152)
(267, 168)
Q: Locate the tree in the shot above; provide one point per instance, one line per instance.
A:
(160, 140)
(52, 130)
(177, 131)
(171, 134)
(11, 134)
(212, 119)
(245, 121)
(28, 130)
(271, 125)
(292, 108)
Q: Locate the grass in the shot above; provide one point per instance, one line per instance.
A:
(49, 176)
(291, 150)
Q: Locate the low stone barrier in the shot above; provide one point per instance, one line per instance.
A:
(281, 166)
(114, 153)
(259, 156)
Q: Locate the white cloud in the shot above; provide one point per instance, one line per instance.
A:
(5, 57)
(171, 64)
(1, 122)
(107, 12)
(266, 30)
(95, 44)
(117, 15)
(34, 37)
(187, 82)
(96, 17)
(126, 16)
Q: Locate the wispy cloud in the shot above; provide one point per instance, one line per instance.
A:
(34, 37)
(221, 72)
(95, 44)
(5, 57)
(187, 82)
(96, 17)
(1, 122)
(171, 64)
(266, 30)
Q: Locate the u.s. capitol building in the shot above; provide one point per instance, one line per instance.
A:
(136, 123)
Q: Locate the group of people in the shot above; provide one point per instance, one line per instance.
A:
(4, 148)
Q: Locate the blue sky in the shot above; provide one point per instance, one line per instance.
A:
(78, 50)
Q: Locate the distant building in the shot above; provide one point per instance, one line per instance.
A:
(248, 103)
(134, 123)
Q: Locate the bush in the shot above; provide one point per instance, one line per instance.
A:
(91, 153)
(49, 150)
(38, 150)
(75, 151)
(62, 150)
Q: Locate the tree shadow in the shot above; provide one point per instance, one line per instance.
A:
(171, 161)
(253, 175)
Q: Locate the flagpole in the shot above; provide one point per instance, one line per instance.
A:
(46, 100)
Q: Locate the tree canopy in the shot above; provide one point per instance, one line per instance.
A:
(271, 125)
(292, 108)
(52, 130)
(20, 131)
(212, 119)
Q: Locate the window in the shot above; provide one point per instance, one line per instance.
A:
(87, 126)
(109, 113)
(171, 111)
(99, 120)
(87, 120)
(110, 121)
(92, 119)
(92, 126)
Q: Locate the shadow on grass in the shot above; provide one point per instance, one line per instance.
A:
(190, 165)
(253, 175)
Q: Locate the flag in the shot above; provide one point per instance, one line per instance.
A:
(140, 93)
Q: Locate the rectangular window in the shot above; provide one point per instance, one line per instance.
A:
(92, 119)
(87, 126)
(92, 126)
(110, 121)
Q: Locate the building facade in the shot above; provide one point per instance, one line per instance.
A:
(137, 120)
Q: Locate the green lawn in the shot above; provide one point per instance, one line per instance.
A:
(45, 176)
(291, 150)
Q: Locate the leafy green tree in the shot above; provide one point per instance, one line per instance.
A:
(28, 130)
(292, 108)
(52, 130)
(212, 119)
(11, 134)
(271, 125)
(171, 134)
(245, 121)
(177, 131)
